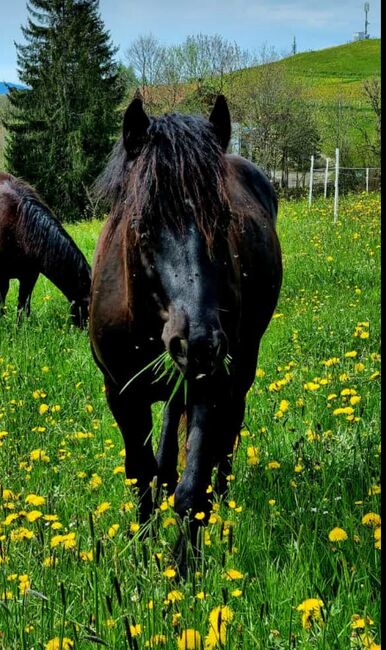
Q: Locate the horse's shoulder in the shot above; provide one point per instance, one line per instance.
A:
(254, 180)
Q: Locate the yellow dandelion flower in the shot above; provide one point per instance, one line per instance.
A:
(39, 454)
(377, 537)
(134, 527)
(113, 530)
(337, 535)
(169, 572)
(10, 518)
(20, 534)
(103, 507)
(24, 583)
(43, 408)
(199, 516)
(273, 464)
(311, 611)
(95, 481)
(33, 515)
(201, 595)
(156, 641)
(374, 489)
(253, 455)
(233, 574)
(351, 354)
(371, 519)
(86, 556)
(236, 593)
(59, 644)
(66, 541)
(343, 410)
(174, 596)
(219, 618)
(131, 481)
(311, 385)
(169, 521)
(88, 408)
(367, 641)
(135, 630)
(189, 640)
(360, 622)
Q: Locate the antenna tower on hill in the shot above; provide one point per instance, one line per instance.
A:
(367, 9)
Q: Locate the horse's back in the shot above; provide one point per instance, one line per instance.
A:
(249, 182)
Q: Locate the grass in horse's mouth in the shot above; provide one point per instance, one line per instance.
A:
(164, 366)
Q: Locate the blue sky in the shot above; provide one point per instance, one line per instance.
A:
(251, 23)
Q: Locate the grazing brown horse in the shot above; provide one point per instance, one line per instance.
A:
(32, 241)
(188, 261)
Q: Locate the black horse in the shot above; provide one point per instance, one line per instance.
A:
(188, 261)
(32, 241)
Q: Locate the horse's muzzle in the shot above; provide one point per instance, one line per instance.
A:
(199, 357)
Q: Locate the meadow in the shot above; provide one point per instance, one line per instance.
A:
(290, 559)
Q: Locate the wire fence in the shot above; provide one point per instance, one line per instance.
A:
(326, 179)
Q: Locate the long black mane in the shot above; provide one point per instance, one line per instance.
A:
(43, 238)
(180, 169)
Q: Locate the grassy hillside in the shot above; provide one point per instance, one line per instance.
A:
(337, 71)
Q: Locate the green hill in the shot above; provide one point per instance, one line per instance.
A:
(336, 71)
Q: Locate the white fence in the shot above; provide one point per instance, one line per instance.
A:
(338, 179)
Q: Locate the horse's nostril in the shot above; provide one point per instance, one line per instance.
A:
(178, 347)
(221, 345)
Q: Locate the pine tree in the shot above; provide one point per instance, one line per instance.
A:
(62, 126)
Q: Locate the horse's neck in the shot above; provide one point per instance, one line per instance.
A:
(64, 276)
(65, 267)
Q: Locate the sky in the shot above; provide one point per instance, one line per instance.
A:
(252, 24)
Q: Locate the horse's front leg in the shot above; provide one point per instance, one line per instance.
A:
(132, 412)
(167, 453)
(229, 423)
(4, 287)
(191, 492)
(26, 285)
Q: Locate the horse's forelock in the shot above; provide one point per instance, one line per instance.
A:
(180, 166)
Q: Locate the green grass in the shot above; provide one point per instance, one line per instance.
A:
(357, 60)
(299, 472)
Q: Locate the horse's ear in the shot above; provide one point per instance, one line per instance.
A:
(221, 120)
(135, 126)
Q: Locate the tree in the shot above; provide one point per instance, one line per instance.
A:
(372, 94)
(281, 130)
(144, 55)
(61, 127)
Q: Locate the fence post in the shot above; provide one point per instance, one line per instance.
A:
(367, 179)
(326, 178)
(336, 185)
(311, 181)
